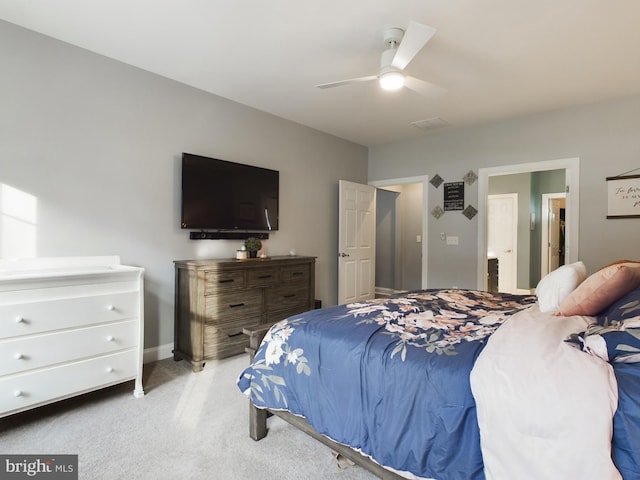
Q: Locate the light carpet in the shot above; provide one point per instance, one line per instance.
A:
(187, 426)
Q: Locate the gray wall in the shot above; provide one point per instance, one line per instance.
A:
(398, 222)
(604, 136)
(412, 194)
(98, 143)
(387, 213)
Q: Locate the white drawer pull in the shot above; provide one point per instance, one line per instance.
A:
(109, 369)
(17, 393)
(18, 356)
(110, 338)
(20, 320)
(111, 308)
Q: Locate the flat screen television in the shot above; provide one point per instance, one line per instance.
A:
(222, 195)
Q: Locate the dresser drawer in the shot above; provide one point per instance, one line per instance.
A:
(222, 342)
(244, 303)
(31, 352)
(19, 392)
(38, 317)
(217, 282)
(217, 334)
(262, 277)
(295, 273)
(281, 298)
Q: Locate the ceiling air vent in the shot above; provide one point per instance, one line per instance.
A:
(429, 123)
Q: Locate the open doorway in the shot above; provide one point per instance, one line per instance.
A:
(552, 244)
(531, 221)
(401, 226)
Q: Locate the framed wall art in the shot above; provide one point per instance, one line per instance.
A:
(453, 196)
(623, 196)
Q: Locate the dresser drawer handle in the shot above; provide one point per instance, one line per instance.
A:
(21, 320)
(110, 338)
(297, 274)
(109, 369)
(18, 356)
(234, 305)
(111, 308)
(18, 393)
(230, 335)
(290, 295)
(263, 277)
(226, 280)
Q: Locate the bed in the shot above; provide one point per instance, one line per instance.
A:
(462, 384)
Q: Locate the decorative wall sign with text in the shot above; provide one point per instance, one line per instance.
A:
(453, 196)
(623, 194)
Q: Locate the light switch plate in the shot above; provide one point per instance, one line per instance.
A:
(451, 240)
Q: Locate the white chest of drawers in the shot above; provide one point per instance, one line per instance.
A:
(68, 326)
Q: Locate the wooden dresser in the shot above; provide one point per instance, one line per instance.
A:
(216, 299)
(68, 326)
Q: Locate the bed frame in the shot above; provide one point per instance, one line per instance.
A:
(258, 419)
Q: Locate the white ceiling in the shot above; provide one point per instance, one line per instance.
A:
(496, 58)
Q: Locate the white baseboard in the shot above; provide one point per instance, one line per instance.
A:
(158, 353)
(385, 292)
(524, 291)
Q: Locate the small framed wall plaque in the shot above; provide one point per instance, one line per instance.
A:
(623, 195)
(453, 196)
(436, 181)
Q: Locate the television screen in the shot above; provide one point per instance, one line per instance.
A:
(222, 195)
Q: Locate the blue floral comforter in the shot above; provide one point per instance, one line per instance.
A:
(388, 377)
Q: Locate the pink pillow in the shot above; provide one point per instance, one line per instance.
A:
(601, 289)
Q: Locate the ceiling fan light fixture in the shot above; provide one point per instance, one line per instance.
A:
(393, 80)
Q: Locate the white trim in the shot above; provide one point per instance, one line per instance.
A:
(544, 227)
(160, 352)
(424, 179)
(385, 292)
(572, 181)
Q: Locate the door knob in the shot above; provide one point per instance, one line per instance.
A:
(342, 254)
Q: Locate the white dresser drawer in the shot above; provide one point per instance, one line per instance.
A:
(68, 325)
(20, 392)
(31, 352)
(38, 317)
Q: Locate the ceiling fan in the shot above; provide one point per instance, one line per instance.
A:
(402, 47)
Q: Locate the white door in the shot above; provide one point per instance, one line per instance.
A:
(357, 242)
(502, 238)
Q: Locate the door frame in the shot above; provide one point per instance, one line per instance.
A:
(544, 227)
(424, 180)
(572, 182)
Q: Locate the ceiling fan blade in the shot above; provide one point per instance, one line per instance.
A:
(423, 87)
(416, 37)
(347, 82)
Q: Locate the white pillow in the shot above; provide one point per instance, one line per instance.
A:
(557, 285)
